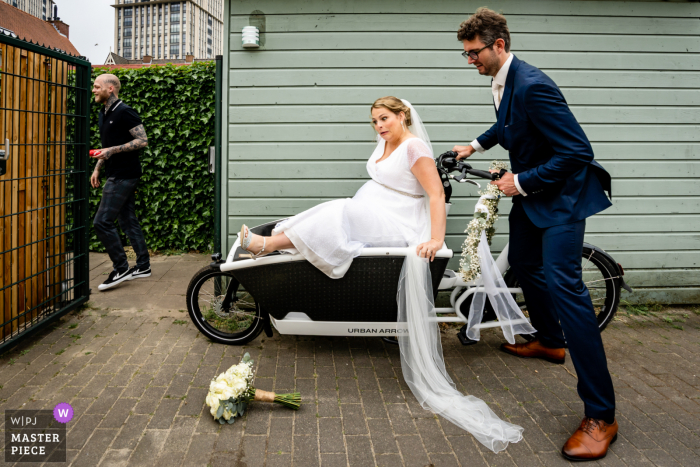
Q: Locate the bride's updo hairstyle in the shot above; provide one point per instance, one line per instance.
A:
(395, 105)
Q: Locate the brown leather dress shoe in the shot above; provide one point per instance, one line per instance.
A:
(534, 349)
(590, 441)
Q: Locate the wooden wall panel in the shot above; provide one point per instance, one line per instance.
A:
(298, 107)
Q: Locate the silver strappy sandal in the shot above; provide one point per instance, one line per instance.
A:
(246, 237)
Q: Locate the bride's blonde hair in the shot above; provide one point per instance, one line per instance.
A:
(395, 105)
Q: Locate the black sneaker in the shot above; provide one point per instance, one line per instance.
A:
(115, 277)
(137, 273)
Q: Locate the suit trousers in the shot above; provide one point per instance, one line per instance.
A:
(547, 263)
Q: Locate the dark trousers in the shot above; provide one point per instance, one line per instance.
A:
(119, 203)
(547, 262)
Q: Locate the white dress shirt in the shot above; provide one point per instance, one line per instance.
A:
(497, 86)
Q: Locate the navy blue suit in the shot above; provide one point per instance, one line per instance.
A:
(554, 161)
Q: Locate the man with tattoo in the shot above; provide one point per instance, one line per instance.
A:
(123, 136)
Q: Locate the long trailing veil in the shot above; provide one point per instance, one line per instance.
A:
(422, 361)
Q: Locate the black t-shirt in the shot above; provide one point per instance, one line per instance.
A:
(115, 125)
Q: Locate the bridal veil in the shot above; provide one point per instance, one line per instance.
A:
(422, 360)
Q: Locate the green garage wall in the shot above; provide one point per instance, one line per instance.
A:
(298, 128)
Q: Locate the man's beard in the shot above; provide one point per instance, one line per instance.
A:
(491, 67)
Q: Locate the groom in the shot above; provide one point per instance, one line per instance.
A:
(555, 186)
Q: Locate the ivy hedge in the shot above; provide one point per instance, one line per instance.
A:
(175, 199)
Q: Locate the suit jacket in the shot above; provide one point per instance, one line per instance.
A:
(548, 150)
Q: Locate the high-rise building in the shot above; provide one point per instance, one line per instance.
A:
(166, 29)
(40, 8)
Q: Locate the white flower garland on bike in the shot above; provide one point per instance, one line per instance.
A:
(485, 216)
(477, 264)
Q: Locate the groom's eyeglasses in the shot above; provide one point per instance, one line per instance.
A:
(474, 54)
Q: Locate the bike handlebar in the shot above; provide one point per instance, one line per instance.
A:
(449, 163)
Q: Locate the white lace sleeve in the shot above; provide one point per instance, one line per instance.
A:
(417, 149)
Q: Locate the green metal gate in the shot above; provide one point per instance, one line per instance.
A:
(44, 137)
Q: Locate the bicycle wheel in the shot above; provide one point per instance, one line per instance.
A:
(602, 280)
(221, 309)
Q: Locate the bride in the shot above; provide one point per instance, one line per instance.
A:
(388, 211)
(403, 204)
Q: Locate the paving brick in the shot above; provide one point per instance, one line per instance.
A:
(391, 392)
(374, 404)
(137, 385)
(382, 436)
(338, 460)
(116, 458)
(194, 402)
(306, 421)
(182, 430)
(118, 414)
(150, 400)
(106, 400)
(258, 418)
(305, 451)
(96, 386)
(164, 415)
(95, 448)
(149, 447)
(204, 375)
(164, 375)
(230, 437)
(81, 432)
(354, 422)
(401, 419)
(252, 452)
(331, 435)
(281, 459)
(412, 450)
(447, 460)
(123, 376)
(131, 432)
(432, 436)
(328, 404)
(359, 450)
(179, 385)
(280, 438)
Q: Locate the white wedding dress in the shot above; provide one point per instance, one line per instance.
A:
(393, 210)
(390, 210)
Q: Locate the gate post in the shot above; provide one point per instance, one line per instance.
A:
(81, 266)
(217, 157)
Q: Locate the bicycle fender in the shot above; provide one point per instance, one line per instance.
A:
(616, 265)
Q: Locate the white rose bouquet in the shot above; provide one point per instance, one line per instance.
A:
(231, 391)
(485, 215)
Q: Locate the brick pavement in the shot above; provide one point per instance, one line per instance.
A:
(137, 376)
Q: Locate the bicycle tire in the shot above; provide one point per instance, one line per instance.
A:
(607, 307)
(203, 320)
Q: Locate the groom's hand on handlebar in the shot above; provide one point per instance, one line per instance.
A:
(463, 151)
(506, 184)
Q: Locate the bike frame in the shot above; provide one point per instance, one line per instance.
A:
(295, 323)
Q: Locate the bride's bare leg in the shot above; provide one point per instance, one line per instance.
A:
(274, 243)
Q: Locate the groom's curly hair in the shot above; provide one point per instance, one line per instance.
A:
(487, 25)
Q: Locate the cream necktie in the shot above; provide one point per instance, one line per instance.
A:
(496, 90)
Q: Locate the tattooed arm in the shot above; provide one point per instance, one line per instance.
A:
(140, 141)
(95, 178)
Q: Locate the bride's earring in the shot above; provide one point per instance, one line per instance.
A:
(402, 126)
